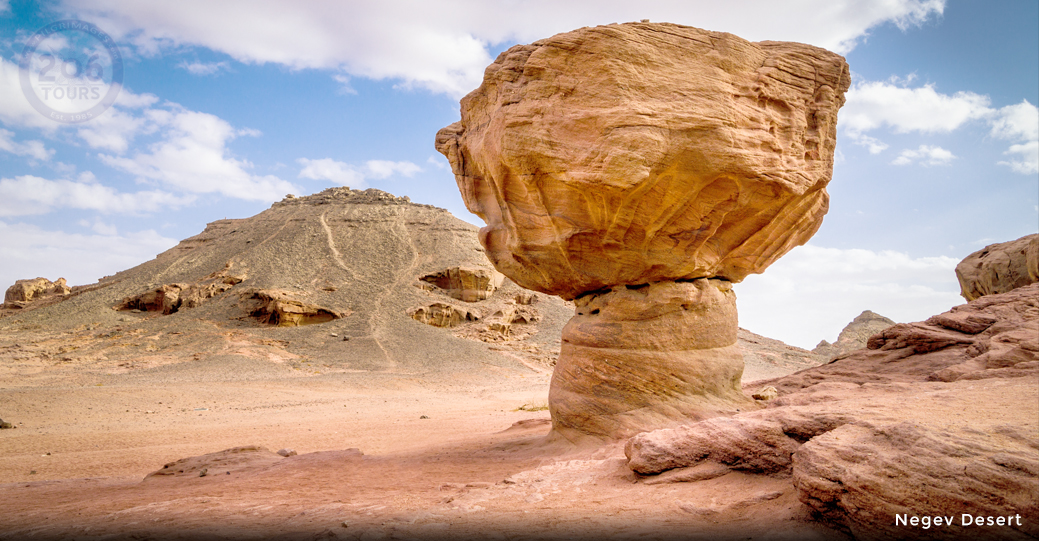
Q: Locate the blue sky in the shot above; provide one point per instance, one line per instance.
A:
(228, 106)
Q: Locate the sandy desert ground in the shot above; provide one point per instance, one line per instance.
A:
(378, 458)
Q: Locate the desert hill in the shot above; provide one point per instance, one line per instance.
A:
(241, 297)
(246, 290)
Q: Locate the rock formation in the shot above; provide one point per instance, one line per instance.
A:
(278, 308)
(466, 284)
(24, 292)
(169, 298)
(935, 418)
(854, 335)
(647, 166)
(999, 268)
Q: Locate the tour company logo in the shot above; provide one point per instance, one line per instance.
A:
(71, 71)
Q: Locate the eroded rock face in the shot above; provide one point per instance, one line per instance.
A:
(279, 309)
(654, 156)
(999, 268)
(466, 283)
(439, 314)
(24, 292)
(935, 418)
(634, 153)
(170, 298)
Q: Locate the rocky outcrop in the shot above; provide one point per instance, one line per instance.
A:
(854, 335)
(440, 314)
(277, 308)
(25, 292)
(863, 477)
(999, 268)
(935, 418)
(169, 298)
(646, 156)
(467, 284)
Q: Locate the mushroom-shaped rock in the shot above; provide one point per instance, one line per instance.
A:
(658, 156)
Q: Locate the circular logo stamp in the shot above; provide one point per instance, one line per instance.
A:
(71, 71)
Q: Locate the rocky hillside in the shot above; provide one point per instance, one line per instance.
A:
(339, 281)
(342, 280)
(854, 335)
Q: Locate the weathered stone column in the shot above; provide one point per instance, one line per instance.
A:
(641, 356)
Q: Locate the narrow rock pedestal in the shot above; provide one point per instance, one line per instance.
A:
(638, 358)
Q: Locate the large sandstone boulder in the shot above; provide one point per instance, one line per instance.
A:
(27, 291)
(654, 156)
(999, 268)
(633, 153)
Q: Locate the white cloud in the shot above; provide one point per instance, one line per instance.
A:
(4, 6)
(344, 84)
(813, 292)
(345, 174)
(384, 169)
(1029, 162)
(328, 169)
(204, 68)
(443, 46)
(871, 105)
(925, 155)
(31, 251)
(28, 195)
(876, 146)
(33, 149)
(99, 227)
(874, 105)
(193, 157)
(113, 130)
(15, 110)
(439, 162)
(1019, 123)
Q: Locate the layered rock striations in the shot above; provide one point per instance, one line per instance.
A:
(648, 155)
